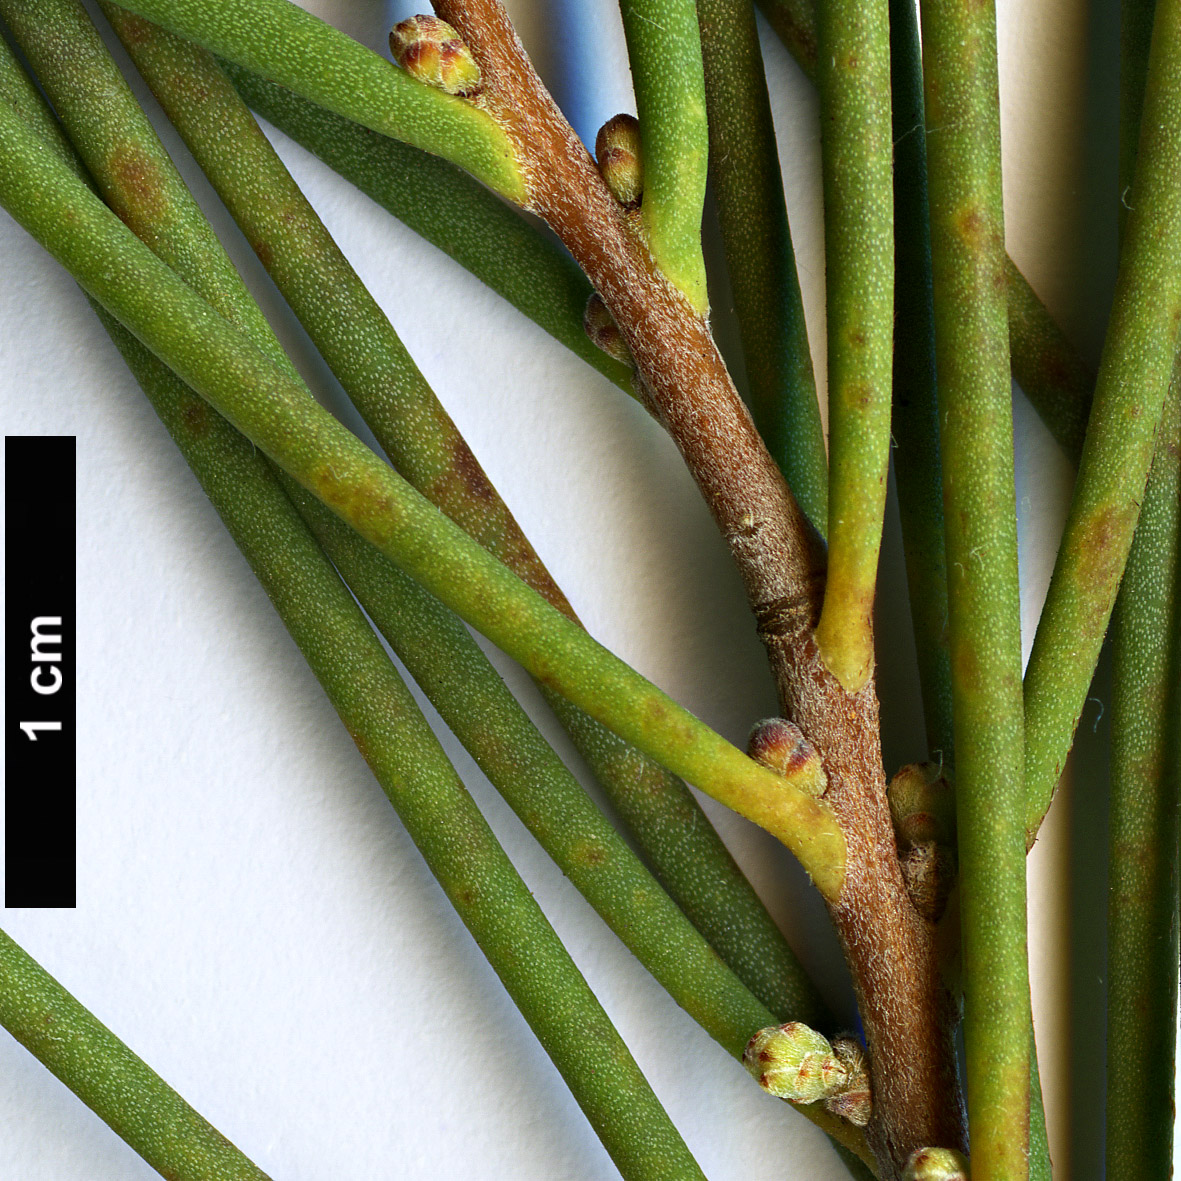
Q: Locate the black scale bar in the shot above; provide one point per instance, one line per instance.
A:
(40, 711)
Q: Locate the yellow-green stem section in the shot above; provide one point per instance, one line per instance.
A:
(853, 76)
(664, 49)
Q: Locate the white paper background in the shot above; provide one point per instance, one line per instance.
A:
(253, 920)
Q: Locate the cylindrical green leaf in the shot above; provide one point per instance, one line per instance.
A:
(117, 1085)
(1134, 373)
(980, 528)
(1142, 908)
(1047, 367)
(126, 158)
(1142, 942)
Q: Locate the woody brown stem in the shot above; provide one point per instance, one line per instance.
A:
(908, 1012)
(778, 554)
(890, 948)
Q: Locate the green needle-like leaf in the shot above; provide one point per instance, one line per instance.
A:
(980, 525)
(119, 1087)
(1142, 909)
(917, 469)
(453, 672)
(1142, 945)
(1134, 373)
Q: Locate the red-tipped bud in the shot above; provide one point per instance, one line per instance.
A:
(600, 326)
(430, 50)
(780, 746)
(617, 150)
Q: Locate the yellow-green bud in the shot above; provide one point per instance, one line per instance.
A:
(780, 746)
(617, 150)
(922, 805)
(430, 50)
(854, 1101)
(794, 1062)
(935, 1164)
(600, 326)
